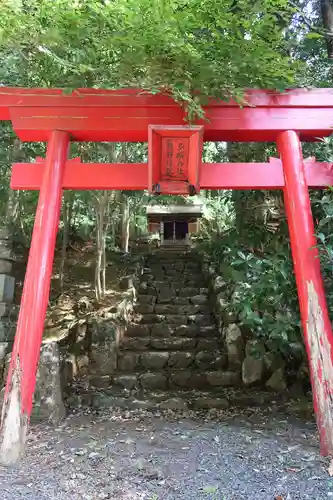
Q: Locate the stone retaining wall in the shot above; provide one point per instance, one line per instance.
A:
(247, 355)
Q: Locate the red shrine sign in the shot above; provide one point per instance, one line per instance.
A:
(174, 167)
(174, 159)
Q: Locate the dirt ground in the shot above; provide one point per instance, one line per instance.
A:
(139, 455)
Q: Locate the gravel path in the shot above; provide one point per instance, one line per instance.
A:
(141, 456)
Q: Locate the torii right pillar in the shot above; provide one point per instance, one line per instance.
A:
(316, 324)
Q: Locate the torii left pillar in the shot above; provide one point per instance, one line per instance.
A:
(21, 378)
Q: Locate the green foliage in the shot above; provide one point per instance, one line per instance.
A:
(189, 48)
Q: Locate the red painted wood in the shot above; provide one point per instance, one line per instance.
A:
(316, 324)
(81, 176)
(35, 295)
(131, 124)
(19, 96)
(124, 115)
(133, 176)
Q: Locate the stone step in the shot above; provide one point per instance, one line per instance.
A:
(176, 379)
(153, 299)
(174, 400)
(163, 288)
(188, 310)
(174, 319)
(171, 331)
(156, 361)
(170, 344)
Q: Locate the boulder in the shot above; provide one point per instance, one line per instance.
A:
(223, 310)
(235, 345)
(219, 284)
(277, 381)
(273, 361)
(252, 370)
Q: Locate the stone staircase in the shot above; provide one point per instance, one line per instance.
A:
(173, 343)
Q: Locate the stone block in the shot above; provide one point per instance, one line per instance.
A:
(154, 360)
(161, 330)
(146, 299)
(174, 404)
(181, 379)
(210, 360)
(128, 382)
(176, 319)
(6, 253)
(173, 343)
(7, 288)
(207, 403)
(145, 308)
(200, 319)
(136, 343)
(128, 361)
(5, 266)
(165, 308)
(199, 300)
(134, 330)
(181, 359)
(103, 359)
(208, 345)
(153, 381)
(223, 378)
(5, 233)
(48, 397)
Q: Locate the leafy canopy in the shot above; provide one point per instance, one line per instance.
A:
(179, 46)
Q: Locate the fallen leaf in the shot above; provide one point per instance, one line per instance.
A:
(294, 469)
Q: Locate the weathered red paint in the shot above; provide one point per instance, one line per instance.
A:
(125, 115)
(314, 314)
(133, 176)
(174, 159)
(35, 298)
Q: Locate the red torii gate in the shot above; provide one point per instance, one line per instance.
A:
(174, 166)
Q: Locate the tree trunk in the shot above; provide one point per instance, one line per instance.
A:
(327, 17)
(99, 251)
(101, 228)
(66, 218)
(125, 223)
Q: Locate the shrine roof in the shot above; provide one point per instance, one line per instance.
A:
(192, 211)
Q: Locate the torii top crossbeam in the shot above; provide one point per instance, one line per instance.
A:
(124, 115)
